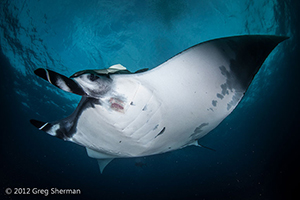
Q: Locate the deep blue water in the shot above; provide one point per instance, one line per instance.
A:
(257, 146)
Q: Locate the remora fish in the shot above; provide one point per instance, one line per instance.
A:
(123, 114)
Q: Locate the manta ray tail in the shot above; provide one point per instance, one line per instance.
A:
(103, 158)
(195, 143)
(206, 147)
(59, 81)
(103, 163)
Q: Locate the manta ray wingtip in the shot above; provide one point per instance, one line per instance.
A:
(281, 38)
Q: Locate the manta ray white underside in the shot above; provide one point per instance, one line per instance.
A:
(123, 114)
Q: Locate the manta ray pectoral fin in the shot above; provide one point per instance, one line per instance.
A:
(59, 81)
(103, 163)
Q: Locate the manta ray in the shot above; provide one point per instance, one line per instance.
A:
(126, 114)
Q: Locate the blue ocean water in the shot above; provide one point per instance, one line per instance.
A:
(257, 146)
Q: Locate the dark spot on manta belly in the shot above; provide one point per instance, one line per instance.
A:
(156, 126)
(228, 106)
(198, 130)
(220, 96)
(161, 132)
(145, 108)
(214, 103)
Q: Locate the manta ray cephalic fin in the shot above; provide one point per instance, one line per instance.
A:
(60, 81)
(43, 126)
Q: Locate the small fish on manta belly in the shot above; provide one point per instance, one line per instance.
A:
(123, 114)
